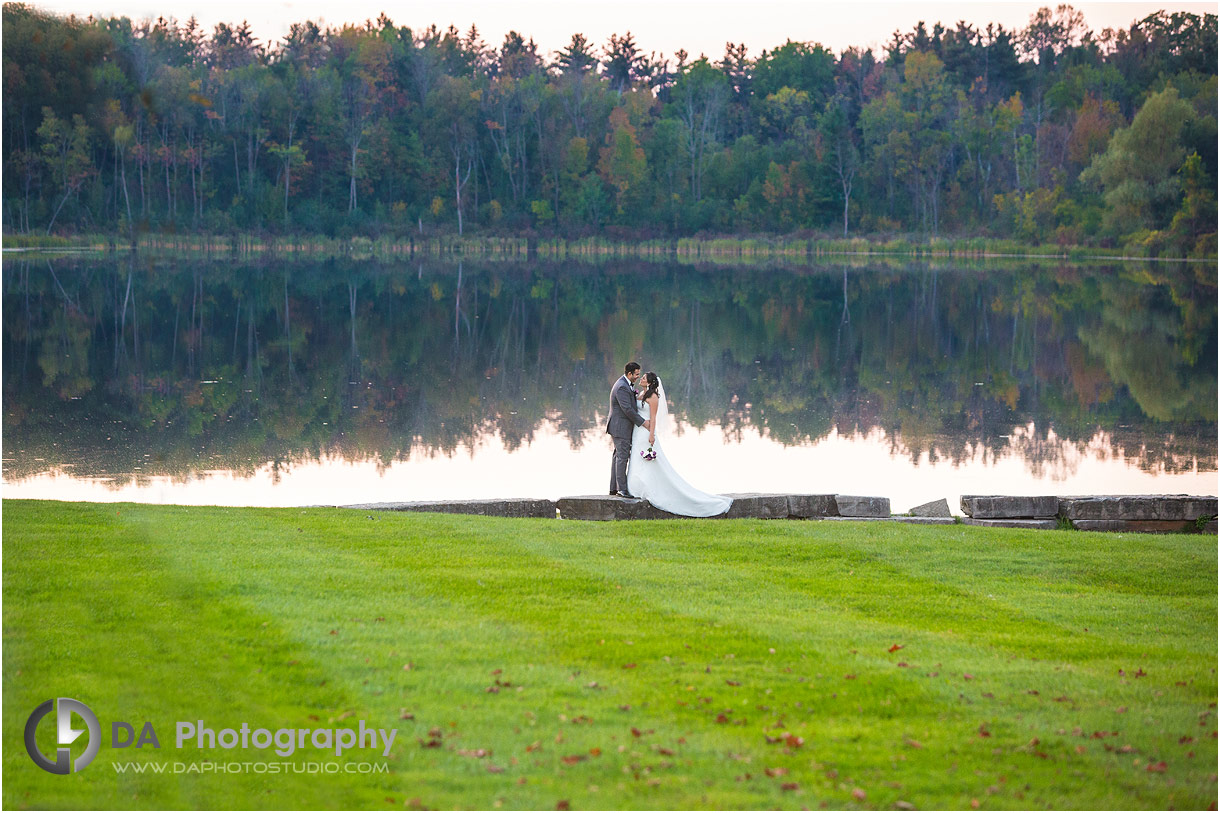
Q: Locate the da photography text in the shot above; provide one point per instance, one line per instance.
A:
(284, 742)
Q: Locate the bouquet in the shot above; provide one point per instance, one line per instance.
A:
(648, 454)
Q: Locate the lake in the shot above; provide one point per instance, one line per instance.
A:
(265, 381)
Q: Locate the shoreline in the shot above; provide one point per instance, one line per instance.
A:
(587, 249)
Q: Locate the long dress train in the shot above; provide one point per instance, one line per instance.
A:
(658, 482)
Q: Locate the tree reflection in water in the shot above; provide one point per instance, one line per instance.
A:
(133, 366)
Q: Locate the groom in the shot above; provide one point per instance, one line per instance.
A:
(624, 416)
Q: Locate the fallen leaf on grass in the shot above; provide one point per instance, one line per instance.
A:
(533, 746)
(1156, 767)
(793, 741)
(492, 768)
(574, 758)
(629, 666)
(733, 682)
(562, 804)
(789, 786)
(904, 805)
(967, 676)
(774, 772)
(913, 743)
(859, 794)
(895, 647)
(406, 715)
(983, 732)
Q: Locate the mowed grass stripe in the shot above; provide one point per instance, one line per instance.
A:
(462, 597)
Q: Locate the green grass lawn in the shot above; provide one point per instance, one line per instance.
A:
(678, 664)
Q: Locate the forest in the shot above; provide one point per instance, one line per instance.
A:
(1051, 134)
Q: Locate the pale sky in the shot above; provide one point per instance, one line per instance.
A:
(664, 26)
(860, 464)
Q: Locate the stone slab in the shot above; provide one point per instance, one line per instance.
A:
(1140, 526)
(758, 506)
(1032, 524)
(515, 508)
(1210, 527)
(910, 520)
(1146, 507)
(811, 506)
(999, 507)
(937, 508)
(606, 508)
(849, 506)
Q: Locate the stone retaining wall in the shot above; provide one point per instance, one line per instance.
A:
(1152, 513)
(1140, 513)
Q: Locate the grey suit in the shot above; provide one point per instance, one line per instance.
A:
(624, 417)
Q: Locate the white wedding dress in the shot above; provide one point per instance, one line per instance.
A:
(658, 482)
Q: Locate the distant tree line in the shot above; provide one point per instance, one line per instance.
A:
(1049, 133)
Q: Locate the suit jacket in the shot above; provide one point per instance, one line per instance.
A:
(624, 415)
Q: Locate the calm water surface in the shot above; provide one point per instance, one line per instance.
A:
(264, 382)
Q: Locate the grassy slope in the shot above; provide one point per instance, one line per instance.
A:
(705, 637)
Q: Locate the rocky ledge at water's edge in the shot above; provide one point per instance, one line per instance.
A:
(1148, 513)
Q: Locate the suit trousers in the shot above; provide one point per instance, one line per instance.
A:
(618, 464)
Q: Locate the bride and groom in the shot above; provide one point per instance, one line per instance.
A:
(637, 422)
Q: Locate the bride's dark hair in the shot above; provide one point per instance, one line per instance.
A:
(653, 383)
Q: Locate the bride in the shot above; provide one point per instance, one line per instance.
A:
(651, 476)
